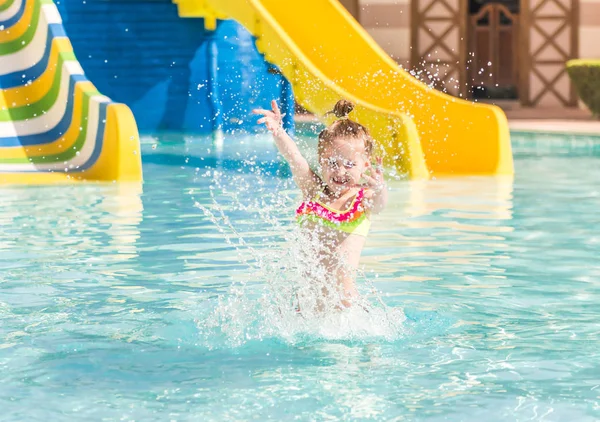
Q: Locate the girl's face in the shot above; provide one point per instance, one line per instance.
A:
(343, 162)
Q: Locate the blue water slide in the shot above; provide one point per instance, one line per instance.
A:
(174, 74)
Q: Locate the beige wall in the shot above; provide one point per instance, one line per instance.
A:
(589, 29)
(388, 22)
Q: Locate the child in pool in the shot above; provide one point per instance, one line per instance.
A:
(338, 204)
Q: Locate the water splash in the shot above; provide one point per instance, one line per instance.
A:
(284, 292)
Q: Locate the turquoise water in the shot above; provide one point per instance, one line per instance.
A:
(125, 304)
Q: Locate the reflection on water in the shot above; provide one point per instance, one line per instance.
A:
(123, 215)
(437, 230)
(52, 221)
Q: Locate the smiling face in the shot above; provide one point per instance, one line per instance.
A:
(343, 162)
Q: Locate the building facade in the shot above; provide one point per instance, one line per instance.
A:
(487, 49)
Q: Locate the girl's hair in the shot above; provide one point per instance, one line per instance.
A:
(343, 127)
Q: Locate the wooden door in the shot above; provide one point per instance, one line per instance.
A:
(494, 46)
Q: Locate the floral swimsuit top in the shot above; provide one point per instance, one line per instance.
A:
(354, 220)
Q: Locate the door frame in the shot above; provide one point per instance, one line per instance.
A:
(352, 6)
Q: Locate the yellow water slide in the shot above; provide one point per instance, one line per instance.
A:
(326, 55)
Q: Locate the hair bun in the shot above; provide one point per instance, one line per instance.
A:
(342, 108)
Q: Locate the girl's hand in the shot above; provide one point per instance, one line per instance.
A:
(271, 118)
(376, 181)
(307, 181)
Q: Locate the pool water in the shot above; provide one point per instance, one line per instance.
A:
(121, 303)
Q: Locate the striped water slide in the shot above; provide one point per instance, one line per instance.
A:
(54, 125)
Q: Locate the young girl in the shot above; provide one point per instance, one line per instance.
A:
(338, 203)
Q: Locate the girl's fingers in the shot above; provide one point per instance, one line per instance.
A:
(379, 166)
(261, 120)
(275, 108)
(370, 181)
(266, 113)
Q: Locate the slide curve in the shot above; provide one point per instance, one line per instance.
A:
(55, 127)
(326, 55)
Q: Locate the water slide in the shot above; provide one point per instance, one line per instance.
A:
(327, 55)
(55, 127)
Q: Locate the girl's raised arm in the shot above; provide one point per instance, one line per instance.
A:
(305, 178)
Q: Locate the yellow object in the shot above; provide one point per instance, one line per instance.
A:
(326, 55)
(55, 127)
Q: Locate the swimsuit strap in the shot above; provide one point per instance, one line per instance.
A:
(331, 214)
(356, 200)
